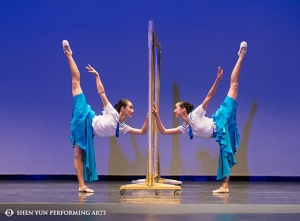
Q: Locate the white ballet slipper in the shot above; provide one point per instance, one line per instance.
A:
(243, 47)
(221, 190)
(66, 46)
(85, 189)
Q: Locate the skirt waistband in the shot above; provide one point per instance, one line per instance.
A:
(215, 131)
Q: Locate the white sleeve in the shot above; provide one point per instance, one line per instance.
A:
(108, 109)
(125, 129)
(199, 111)
(182, 129)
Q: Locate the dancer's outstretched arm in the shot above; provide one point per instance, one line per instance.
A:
(99, 85)
(213, 89)
(160, 125)
(143, 130)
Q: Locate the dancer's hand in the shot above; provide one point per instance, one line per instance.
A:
(146, 124)
(91, 70)
(220, 74)
(154, 110)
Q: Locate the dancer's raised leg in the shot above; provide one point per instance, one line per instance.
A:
(75, 74)
(235, 75)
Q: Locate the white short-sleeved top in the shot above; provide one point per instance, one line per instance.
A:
(105, 125)
(201, 126)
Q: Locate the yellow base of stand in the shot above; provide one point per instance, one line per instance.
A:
(161, 180)
(144, 186)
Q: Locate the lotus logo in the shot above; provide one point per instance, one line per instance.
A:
(9, 212)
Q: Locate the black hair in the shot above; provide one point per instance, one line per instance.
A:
(121, 103)
(184, 104)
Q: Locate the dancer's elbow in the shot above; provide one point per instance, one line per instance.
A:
(163, 132)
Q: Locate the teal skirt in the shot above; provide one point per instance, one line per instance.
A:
(82, 135)
(227, 136)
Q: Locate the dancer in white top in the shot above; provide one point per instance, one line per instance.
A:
(85, 124)
(222, 125)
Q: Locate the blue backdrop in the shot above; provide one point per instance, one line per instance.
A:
(196, 38)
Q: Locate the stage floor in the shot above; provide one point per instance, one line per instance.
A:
(246, 201)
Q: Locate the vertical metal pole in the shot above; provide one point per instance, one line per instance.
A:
(150, 173)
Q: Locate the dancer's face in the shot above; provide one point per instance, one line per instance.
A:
(179, 111)
(128, 110)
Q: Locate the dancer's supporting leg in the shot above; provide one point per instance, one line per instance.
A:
(76, 89)
(233, 90)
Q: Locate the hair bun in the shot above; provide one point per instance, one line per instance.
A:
(121, 103)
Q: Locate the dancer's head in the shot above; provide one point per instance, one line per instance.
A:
(182, 108)
(125, 107)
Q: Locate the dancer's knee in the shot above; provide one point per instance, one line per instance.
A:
(75, 84)
(78, 152)
(233, 92)
(234, 86)
(76, 89)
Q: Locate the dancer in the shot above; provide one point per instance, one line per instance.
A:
(85, 124)
(222, 125)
